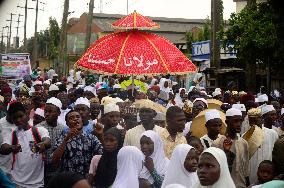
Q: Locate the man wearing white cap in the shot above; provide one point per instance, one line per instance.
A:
(213, 125)
(267, 138)
(217, 95)
(53, 90)
(199, 105)
(269, 116)
(82, 105)
(262, 99)
(38, 117)
(236, 148)
(245, 124)
(51, 114)
(111, 116)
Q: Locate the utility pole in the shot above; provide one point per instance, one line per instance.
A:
(89, 25)
(10, 31)
(63, 41)
(17, 35)
(25, 24)
(2, 39)
(215, 17)
(35, 37)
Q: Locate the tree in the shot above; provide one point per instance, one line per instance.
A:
(254, 37)
(54, 38)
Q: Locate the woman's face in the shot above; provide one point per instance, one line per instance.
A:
(166, 84)
(208, 170)
(147, 146)
(191, 160)
(110, 143)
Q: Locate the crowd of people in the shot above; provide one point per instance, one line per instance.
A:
(85, 131)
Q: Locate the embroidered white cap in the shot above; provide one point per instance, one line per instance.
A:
(212, 114)
(116, 86)
(39, 112)
(91, 89)
(37, 82)
(46, 82)
(240, 107)
(203, 100)
(83, 100)
(53, 87)
(262, 98)
(233, 112)
(267, 108)
(216, 93)
(218, 90)
(111, 107)
(55, 102)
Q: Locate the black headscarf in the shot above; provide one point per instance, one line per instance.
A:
(64, 180)
(107, 166)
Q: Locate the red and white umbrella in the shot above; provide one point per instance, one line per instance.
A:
(135, 21)
(134, 53)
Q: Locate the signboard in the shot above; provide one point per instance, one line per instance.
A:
(201, 51)
(15, 66)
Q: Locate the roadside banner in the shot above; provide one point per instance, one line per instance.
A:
(15, 65)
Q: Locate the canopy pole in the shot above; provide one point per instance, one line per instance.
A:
(132, 85)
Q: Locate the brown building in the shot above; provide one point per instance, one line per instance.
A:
(173, 29)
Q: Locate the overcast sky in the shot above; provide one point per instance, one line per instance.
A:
(194, 9)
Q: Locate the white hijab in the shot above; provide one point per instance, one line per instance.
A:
(153, 81)
(176, 173)
(162, 87)
(129, 165)
(178, 98)
(159, 159)
(225, 176)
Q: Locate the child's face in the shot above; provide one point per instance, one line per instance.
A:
(198, 147)
(191, 160)
(147, 146)
(208, 169)
(265, 173)
(110, 143)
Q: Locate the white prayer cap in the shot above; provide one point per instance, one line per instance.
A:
(46, 82)
(233, 112)
(174, 83)
(241, 107)
(267, 108)
(191, 88)
(212, 114)
(91, 89)
(58, 83)
(111, 108)
(218, 90)
(203, 92)
(39, 112)
(55, 74)
(263, 98)
(83, 100)
(116, 86)
(55, 102)
(256, 100)
(216, 93)
(53, 87)
(282, 111)
(37, 82)
(203, 100)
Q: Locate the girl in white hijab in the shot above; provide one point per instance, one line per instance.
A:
(182, 167)
(129, 165)
(162, 84)
(178, 98)
(153, 148)
(213, 170)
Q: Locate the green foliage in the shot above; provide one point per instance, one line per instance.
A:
(54, 38)
(252, 32)
(207, 29)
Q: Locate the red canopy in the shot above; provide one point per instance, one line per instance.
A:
(135, 21)
(135, 52)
